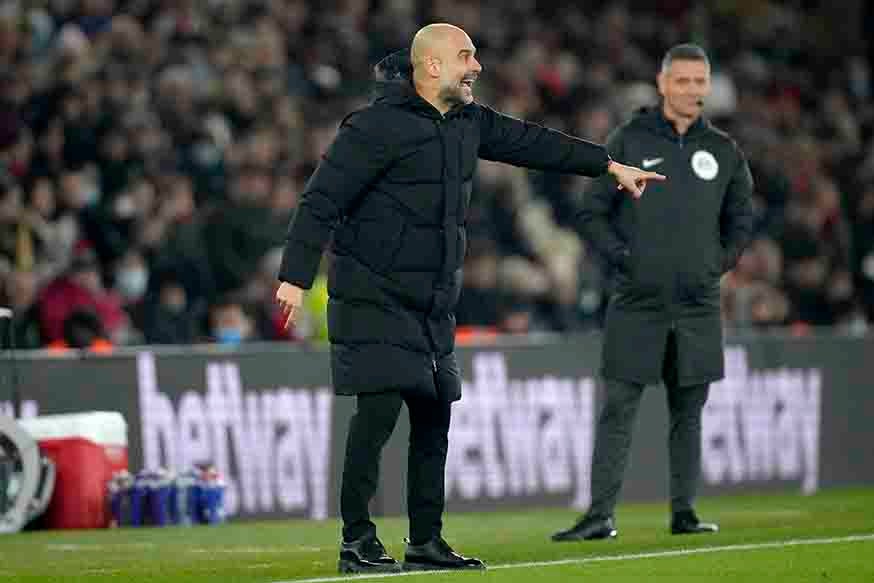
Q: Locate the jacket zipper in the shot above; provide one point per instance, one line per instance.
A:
(439, 125)
(673, 319)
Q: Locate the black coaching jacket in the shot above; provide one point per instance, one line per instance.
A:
(394, 189)
(669, 248)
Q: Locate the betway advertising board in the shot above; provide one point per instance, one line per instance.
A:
(791, 414)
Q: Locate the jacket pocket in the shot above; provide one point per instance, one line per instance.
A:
(379, 241)
(644, 271)
(420, 249)
(623, 266)
(700, 284)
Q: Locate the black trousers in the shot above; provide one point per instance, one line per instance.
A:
(369, 430)
(613, 439)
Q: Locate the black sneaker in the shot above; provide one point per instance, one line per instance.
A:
(437, 555)
(687, 523)
(366, 555)
(588, 528)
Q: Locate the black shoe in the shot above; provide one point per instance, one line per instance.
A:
(588, 528)
(687, 523)
(436, 555)
(366, 555)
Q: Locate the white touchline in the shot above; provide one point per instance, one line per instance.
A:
(629, 557)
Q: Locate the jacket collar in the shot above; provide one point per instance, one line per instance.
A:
(654, 118)
(393, 85)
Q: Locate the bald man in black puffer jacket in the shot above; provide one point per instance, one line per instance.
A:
(394, 189)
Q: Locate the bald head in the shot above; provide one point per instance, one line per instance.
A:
(437, 41)
(444, 65)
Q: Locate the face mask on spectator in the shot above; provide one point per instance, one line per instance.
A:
(229, 335)
(132, 283)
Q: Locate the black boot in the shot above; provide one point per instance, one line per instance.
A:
(588, 528)
(366, 555)
(686, 522)
(435, 555)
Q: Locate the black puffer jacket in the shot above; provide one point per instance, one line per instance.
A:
(670, 247)
(394, 188)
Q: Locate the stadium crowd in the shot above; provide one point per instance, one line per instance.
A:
(151, 153)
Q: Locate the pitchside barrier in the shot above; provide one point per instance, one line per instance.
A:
(792, 414)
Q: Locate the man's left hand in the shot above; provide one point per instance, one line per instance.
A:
(632, 179)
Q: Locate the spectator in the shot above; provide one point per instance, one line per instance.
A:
(751, 298)
(229, 323)
(242, 231)
(480, 294)
(168, 316)
(20, 294)
(82, 329)
(186, 129)
(81, 287)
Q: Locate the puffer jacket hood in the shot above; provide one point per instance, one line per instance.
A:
(393, 85)
(395, 67)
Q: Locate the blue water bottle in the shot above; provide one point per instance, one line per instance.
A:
(139, 498)
(212, 496)
(119, 489)
(185, 498)
(159, 497)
